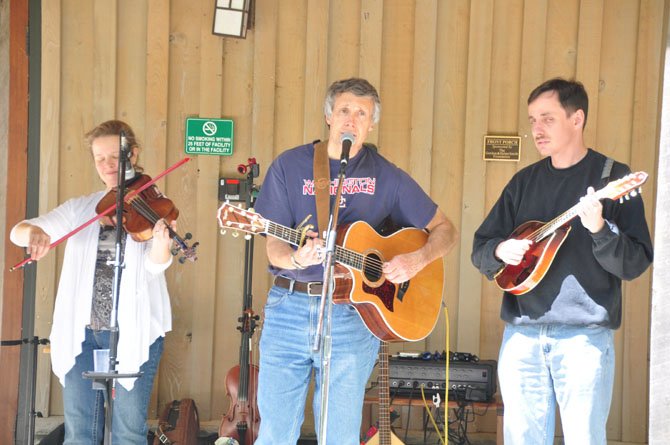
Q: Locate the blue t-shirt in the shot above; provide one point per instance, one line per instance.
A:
(374, 189)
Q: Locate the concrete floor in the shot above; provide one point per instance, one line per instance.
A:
(44, 426)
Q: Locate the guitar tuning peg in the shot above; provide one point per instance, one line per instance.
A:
(235, 234)
(247, 237)
(633, 193)
(222, 231)
(621, 200)
(639, 190)
(627, 197)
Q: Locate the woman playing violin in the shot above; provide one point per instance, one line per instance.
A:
(82, 313)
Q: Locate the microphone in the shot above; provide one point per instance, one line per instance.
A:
(130, 171)
(347, 139)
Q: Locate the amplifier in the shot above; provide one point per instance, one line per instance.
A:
(468, 381)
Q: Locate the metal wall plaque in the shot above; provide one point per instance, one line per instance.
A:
(502, 148)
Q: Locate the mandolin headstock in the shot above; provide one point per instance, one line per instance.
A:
(624, 188)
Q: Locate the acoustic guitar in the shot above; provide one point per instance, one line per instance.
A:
(393, 312)
(384, 435)
(547, 238)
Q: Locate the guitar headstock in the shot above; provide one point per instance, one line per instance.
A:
(239, 219)
(628, 185)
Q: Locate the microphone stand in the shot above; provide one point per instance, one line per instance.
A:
(324, 323)
(107, 380)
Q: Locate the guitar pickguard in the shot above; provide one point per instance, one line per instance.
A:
(385, 292)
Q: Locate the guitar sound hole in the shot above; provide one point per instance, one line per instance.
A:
(372, 268)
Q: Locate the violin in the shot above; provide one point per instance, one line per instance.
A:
(242, 421)
(108, 210)
(143, 210)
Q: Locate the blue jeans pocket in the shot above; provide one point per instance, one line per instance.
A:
(276, 297)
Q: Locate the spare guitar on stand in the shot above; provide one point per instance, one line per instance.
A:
(384, 435)
(242, 420)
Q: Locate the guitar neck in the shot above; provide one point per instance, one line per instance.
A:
(293, 237)
(384, 399)
(549, 228)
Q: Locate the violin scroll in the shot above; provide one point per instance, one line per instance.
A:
(188, 252)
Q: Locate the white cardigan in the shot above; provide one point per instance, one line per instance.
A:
(144, 312)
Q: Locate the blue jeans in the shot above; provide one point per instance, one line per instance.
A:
(84, 406)
(287, 362)
(540, 366)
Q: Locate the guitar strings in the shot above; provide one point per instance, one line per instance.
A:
(293, 236)
(348, 257)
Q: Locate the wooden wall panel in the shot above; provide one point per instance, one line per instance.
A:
(315, 69)
(448, 72)
(589, 41)
(372, 15)
(643, 156)
(290, 74)
(476, 125)
(397, 57)
(617, 68)
(420, 146)
(503, 119)
(177, 366)
(561, 38)
(49, 197)
(448, 144)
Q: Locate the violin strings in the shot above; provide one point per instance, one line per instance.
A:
(146, 211)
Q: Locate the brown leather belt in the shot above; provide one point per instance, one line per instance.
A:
(311, 288)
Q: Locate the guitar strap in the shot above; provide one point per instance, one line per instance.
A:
(607, 170)
(321, 184)
(605, 177)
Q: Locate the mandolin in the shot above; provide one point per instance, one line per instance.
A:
(547, 238)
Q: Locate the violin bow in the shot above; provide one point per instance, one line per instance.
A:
(108, 210)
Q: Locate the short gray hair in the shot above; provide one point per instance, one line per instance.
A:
(356, 86)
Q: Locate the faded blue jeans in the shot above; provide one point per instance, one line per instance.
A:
(287, 362)
(84, 406)
(544, 365)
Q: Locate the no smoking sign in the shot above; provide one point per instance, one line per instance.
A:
(209, 136)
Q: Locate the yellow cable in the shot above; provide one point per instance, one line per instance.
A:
(446, 371)
(446, 390)
(430, 415)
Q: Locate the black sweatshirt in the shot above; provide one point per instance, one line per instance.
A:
(583, 284)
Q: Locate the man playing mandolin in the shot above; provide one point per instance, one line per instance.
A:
(374, 189)
(557, 346)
